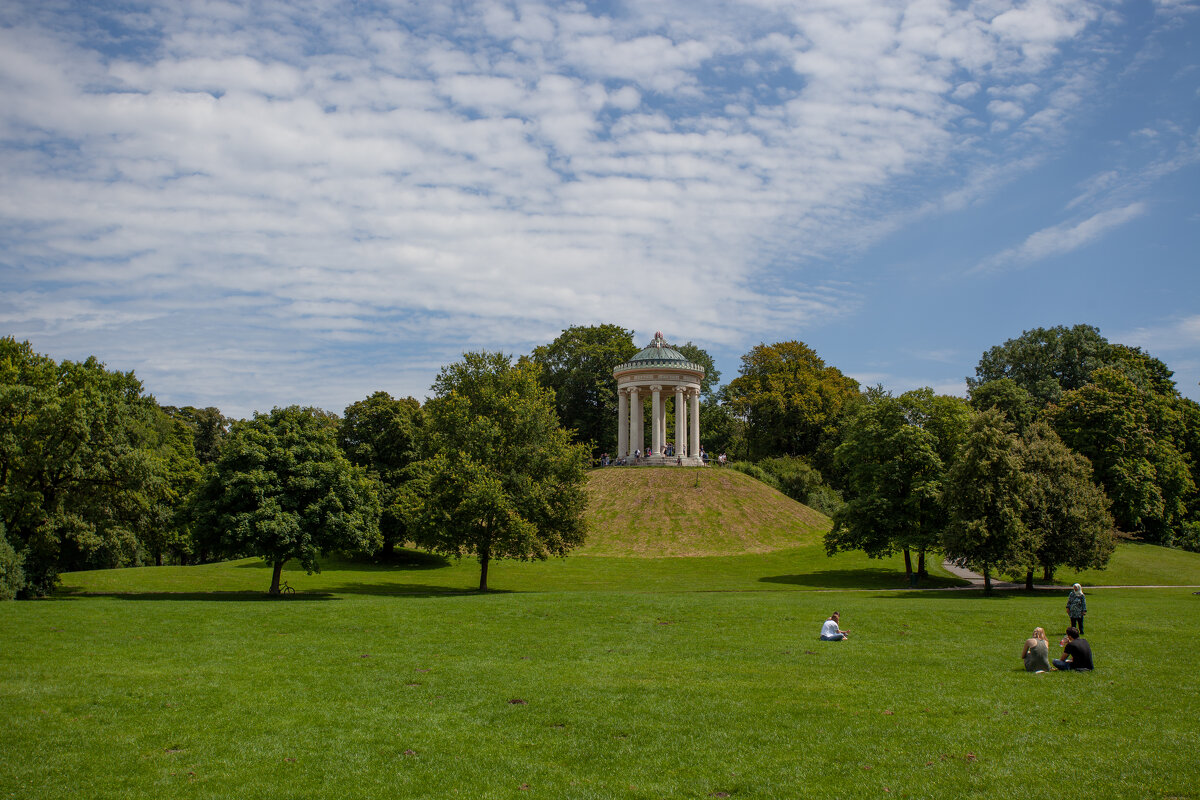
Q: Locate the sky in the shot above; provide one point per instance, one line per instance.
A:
(260, 204)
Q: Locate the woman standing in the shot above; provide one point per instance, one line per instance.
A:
(1077, 607)
(1036, 654)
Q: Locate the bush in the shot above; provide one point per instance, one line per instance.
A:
(12, 576)
(825, 499)
(757, 472)
(1189, 537)
(797, 478)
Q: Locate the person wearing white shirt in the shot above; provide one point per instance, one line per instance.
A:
(831, 630)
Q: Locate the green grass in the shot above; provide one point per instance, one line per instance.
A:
(685, 677)
(668, 511)
(671, 694)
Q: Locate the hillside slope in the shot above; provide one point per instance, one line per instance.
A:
(671, 511)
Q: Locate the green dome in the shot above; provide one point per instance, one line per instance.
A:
(659, 354)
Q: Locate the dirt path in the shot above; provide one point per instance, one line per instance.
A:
(977, 582)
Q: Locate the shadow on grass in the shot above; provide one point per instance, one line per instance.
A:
(858, 579)
(220, 596)
(402, 560)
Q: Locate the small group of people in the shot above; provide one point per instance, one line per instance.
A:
(1077, 653)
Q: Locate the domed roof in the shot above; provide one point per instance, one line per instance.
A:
(659, 354)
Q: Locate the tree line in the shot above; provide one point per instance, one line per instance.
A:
(1065, 441)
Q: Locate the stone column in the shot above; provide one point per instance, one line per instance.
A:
(656, 408)
(681, 436)
(622, 424)
(694, 439)
(635, 421)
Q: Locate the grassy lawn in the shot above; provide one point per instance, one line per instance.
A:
(636, 678)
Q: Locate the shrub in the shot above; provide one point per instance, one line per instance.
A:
(1188, 537)
(12, 576)
(756, 472)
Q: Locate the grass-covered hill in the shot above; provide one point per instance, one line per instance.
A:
(668, 511)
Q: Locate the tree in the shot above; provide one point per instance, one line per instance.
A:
(1112, 422)
(985, 497)
(578, 366)
(1046, 361)
(1065, 510)
(282, 489)
(789, 399)
(208, 426)
(77, 482)
(166, 528)
(697, 355)
(499, 478)
(895, 453)
(380, 434)
(1011, 399)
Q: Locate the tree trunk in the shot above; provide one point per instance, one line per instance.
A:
(1047, 574)
(912, 579)
(158, 559)
(922, 571)
(1029, 580)
(987, 580)
(483, 567)
(275, 573)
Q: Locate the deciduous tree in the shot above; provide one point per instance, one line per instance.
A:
(1065, 510)
(500, 478)
(789, 398)
(77, 482)
(282, 489)
(578, 366)
(985, 495)
(380, 434)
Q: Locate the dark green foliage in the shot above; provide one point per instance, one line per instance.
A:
(1065, 510)
(895, 453)
(165, 530)
(1046, 361)
(1011, 399)
(380, 434)
(790, 400)
(500, 478)
(578, 366)
(208, 426)
(1114, 424)
(795, 476)
(697, 355)
(282, 489)
(82, 470)
(756, 472)
(985, 496)
(720, 430)
(1189, 537)
(12, 576)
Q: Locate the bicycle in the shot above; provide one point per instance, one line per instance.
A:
(285, 590)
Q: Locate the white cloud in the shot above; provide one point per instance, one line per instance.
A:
(429, 176)
(1064, 238)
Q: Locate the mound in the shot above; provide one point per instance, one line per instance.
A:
(672, 511)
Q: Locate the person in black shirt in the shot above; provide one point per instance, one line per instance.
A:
(1077, 653)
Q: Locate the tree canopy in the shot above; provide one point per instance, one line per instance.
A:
(985, 496)
(499, 477)
(282, 489)
(380, 434)
(84, 466)
(895, 455)
(790, 400)
(578, 366)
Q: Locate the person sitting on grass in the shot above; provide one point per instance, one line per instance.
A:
(1077, 653)
(1036, 654)
(831, 632)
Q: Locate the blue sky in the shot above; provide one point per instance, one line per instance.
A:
(267, 203)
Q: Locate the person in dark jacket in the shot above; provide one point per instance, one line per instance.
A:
(1076, 607)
